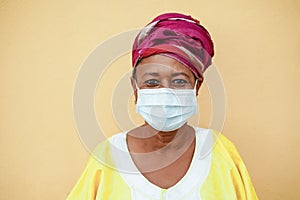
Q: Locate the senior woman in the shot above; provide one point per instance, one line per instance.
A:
(166, 158)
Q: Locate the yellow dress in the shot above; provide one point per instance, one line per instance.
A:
(216, 172)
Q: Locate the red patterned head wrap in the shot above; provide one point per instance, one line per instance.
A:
(178, 36)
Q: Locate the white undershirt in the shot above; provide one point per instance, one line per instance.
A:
(186, 188)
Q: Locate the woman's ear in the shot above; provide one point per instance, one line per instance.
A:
(199, 83)
(133, 85)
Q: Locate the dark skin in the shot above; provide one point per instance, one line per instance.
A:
(162, 157)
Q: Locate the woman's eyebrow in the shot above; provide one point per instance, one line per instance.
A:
(151, 74)
(180, 73)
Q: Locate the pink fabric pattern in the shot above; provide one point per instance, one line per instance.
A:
(178, 36)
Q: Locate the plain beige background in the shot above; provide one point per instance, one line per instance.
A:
(44, 43)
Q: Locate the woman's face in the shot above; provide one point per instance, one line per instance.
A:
(160, 71)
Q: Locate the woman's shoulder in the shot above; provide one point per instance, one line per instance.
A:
(104, 145)
(219, 145)
(227, 172)
(101, 155)
(227, 148)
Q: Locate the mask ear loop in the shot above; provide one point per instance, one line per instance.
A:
(136, 85)
(196, 82)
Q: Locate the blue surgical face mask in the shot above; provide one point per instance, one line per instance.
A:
(166, 109)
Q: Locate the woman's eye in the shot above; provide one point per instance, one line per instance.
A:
(179, 82)
(151, 82)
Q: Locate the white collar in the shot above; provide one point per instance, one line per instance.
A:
(199, 167)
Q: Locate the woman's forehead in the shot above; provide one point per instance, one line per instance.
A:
(161, 64)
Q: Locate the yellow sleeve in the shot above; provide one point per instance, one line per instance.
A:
(100, 179)
(239, 173)
(87, 185)
(243, 182)
(228, 177)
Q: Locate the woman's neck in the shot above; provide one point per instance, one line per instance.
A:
(152, 150)
(154, 140)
